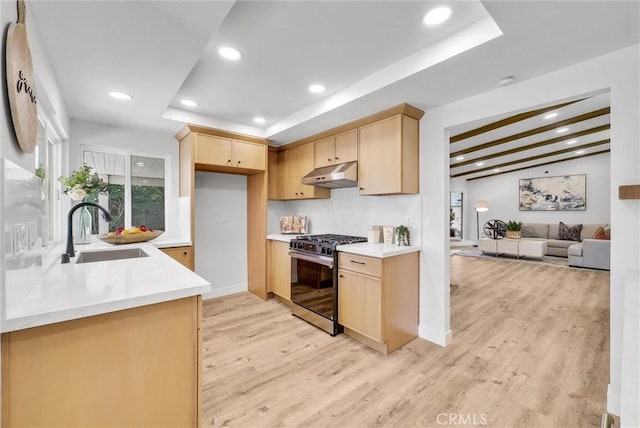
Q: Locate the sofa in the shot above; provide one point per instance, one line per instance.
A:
(550, 232)
(590, 253)
(582, 251)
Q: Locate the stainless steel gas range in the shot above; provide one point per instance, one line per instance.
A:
(314, 278)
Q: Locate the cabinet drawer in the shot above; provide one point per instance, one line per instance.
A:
(360, 264)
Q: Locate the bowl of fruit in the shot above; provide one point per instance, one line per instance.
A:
(130, 236)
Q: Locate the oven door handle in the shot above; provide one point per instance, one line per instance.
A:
(322, 260)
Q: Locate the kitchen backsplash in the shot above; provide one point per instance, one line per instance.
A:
(23, 221)
(347, 212)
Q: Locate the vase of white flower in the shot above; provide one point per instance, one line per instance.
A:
(79, 186)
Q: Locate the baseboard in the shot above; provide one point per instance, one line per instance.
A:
(225, 291)
(436, 336)
(613, 401)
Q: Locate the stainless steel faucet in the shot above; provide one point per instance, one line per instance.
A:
(70, 252)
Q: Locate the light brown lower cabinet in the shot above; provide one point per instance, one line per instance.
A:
(279, 269)
(182, 254)
(378, 299)
(137, 367)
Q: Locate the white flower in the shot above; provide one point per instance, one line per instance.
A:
(77, 193)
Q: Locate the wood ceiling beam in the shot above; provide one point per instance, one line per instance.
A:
(529, 133)
(533, 146)
(508, 121)
(532, 158)
(540, 164)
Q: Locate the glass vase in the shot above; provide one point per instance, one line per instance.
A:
(82, 226)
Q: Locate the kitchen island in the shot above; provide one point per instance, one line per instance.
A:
(113, 343)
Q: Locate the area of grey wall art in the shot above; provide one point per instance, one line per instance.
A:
(565, 193)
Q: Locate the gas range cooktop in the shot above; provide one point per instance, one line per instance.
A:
(324, 244)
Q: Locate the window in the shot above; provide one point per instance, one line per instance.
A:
(147, 192)
(135, 189)
(48, 166)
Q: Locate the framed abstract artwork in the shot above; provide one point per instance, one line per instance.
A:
(563, 193)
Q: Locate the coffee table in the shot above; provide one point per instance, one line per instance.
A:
(535, 248)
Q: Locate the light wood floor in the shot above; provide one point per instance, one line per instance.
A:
(530, 348)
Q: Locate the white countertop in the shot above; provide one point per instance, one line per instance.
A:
(168, 242)
(281, 237)
(379, 251)
(71, 291)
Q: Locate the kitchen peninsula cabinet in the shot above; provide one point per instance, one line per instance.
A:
(336, 149)
(213, 151)
(378, 299)
(279, 269)
(182, 254)
(388, 156)
(134, 367)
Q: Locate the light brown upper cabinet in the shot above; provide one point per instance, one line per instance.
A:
(388, 156)
(299, 162)
(276, 183)
(336, 149)
(216, 150)
(385, 144)
(226, 152)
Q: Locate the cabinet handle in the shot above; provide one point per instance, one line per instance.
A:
(341, 276)
(184, 254)
(337, 158)
(239, 162)
(329, 159)
(362, 188)
(357, 262)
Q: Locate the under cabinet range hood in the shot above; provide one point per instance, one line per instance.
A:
(334, 176)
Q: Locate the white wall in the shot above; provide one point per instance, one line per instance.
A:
(618, 72)
(221, 232)
(501, 191)
(346, 212)
(46, 89)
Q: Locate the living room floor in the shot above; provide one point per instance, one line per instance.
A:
(530, 348)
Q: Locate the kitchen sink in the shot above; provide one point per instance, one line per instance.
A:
(107, 255)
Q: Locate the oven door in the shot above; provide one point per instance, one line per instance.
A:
(312, 283)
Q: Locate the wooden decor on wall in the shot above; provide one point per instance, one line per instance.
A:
(20, 83)
(629, 192)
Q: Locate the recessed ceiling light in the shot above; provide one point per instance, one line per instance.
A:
(460, 158)
(437, 16)
(258, 119)
(120, 95)
(230, 53)
(579, 152)
(480, 164)
(140, 164)
(550, 115)
(496, 170)
(506, 81)
(571, 142)
(316, 88)
(561, 130)
(189, 103)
